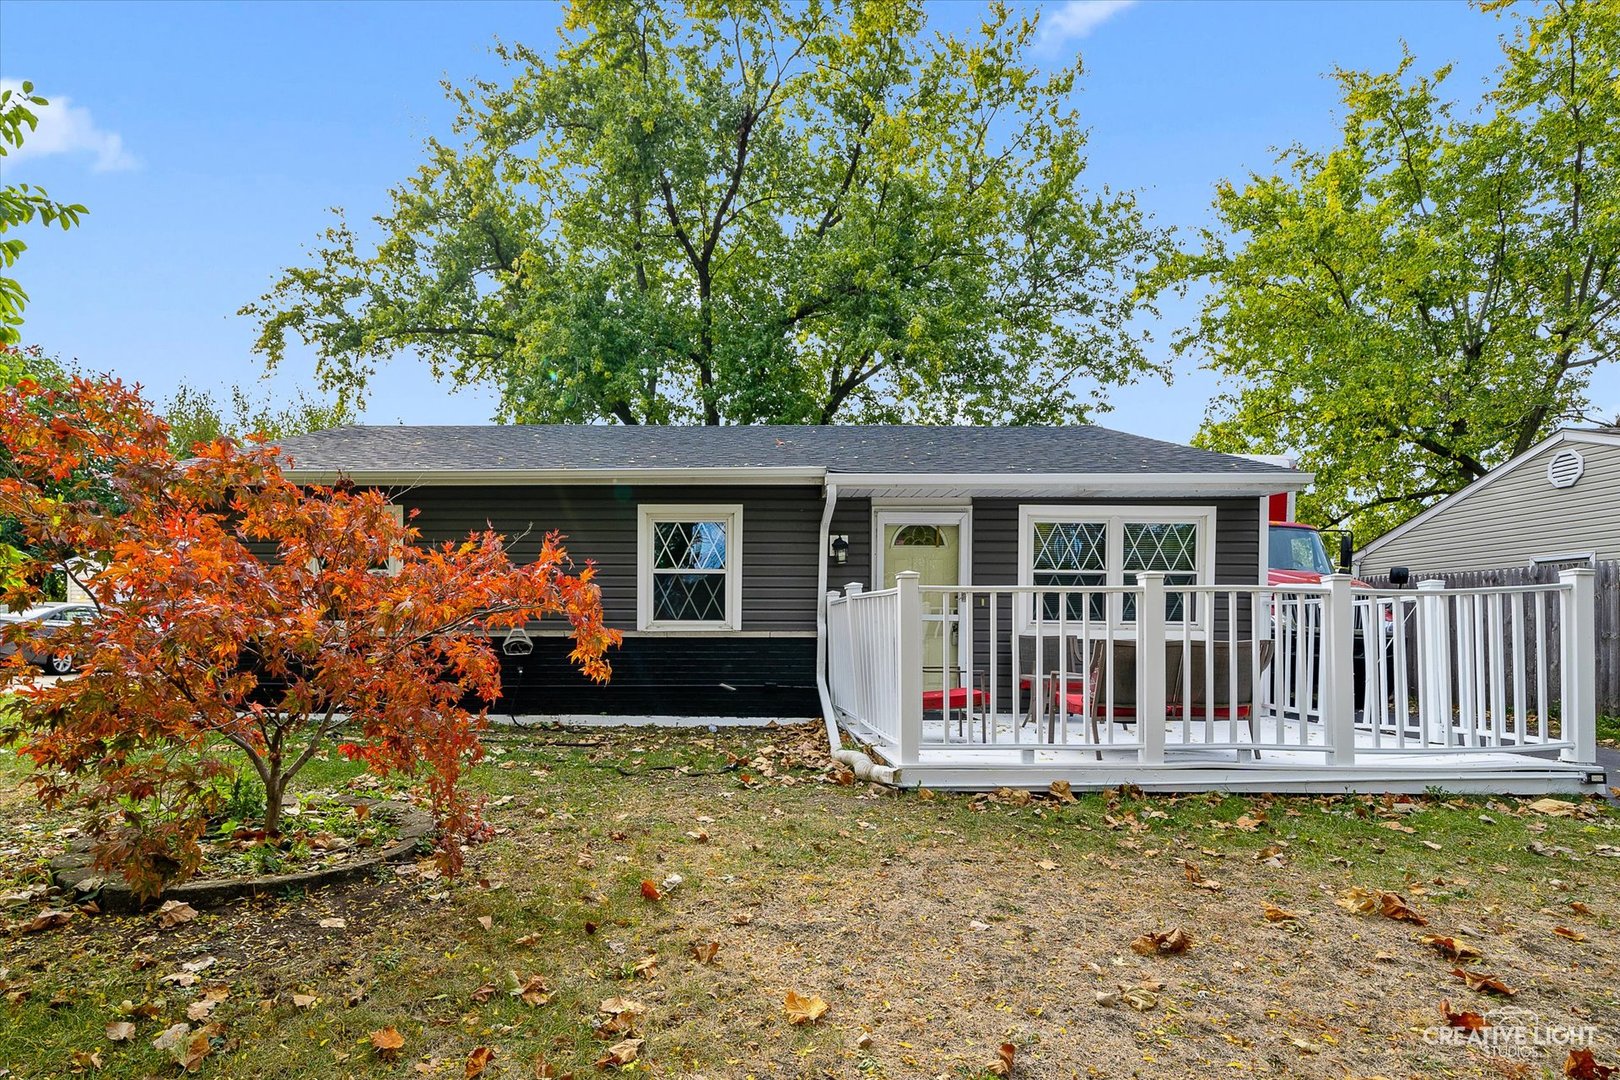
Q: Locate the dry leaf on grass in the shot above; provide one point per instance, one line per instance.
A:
(647, 967)
(120, 1031)
(1390, 905)
(1468, 1021)
(483, 993)
(173, 913)
(1566, 932)
(478, 1061)
(704, 952)
(333, 924)
(1003, 1065)
(1140, 998)
(1273, 913)
(533, 991)
(1168, 943)
(650, 890)
(620, 1054)
(1553, 808)
(304, 1001)
(486, 922)
(1196, 878)
(387, 1042)
(1581, 1065)
(804, 1010)
(49, 919)
(622, 1015)
(1059, 791)
(1482, 983)
(1451, 948)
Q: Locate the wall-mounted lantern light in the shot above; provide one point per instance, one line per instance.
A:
(838, 549)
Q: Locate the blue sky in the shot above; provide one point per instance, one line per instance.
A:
(208, 141)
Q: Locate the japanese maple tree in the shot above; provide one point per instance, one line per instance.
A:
(237, 607)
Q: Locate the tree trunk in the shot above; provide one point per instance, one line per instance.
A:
(274, 787)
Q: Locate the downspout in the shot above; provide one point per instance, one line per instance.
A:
(863, 767)
(829, 503)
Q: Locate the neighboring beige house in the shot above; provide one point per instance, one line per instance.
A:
(1556, 504)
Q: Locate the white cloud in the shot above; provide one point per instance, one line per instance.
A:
(66, 128)
(1074, 19)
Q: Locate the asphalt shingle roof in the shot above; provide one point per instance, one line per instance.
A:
(839, 449)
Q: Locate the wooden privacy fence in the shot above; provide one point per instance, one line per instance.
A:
(1607, 630)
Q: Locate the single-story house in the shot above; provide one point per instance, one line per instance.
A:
(717, 546)
(1555, 505)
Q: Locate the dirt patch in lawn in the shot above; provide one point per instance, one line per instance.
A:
(935, 929)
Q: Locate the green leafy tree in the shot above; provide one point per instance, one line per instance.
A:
(748, 212)
(1427, 299)
(20, 204)
(17, 364)
(194, 416)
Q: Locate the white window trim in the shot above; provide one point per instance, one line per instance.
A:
(396, 559)
(647, 515)
(1114, 517)
(960, 515)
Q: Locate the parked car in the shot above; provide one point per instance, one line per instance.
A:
(52, 619)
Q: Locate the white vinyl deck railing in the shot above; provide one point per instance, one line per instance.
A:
(1151, 672)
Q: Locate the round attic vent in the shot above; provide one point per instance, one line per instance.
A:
(1565, 469)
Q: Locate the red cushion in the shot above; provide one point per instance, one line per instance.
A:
(934, 699)
(1199, 712)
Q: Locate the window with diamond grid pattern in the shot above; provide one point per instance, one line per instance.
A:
(1170, 546)
(1071, 554)
(689, 571)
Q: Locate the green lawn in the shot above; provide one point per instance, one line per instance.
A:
(935, 928)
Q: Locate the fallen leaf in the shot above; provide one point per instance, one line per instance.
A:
(1482, 983)
(483, 993)
(1553, 808)
(49, 919)
(1273, 913)
(478, 1061)
(533, 992)
(173, 913)
(120, 1031)
(1162, 944)
(1390, 905)
(333, 924)
(1196, 878)
(620, 1054)
(1581, 1065)
(804, 1010)
(647, 967)
(486, 922)
(196, 1047)
(1451, 948)
(1468, 1021)
(650, 890)
(704, 953)
(1566, 932)
(304, 1001)
(387, 1042)
(1060, 791)
(1140, 998)
(171, 1037)
(1003, 1065)
(1047, 864)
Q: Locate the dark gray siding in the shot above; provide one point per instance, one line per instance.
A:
(781, 528)
(853, 517)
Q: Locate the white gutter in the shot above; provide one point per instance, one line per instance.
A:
(728, 474)
(1146, 483)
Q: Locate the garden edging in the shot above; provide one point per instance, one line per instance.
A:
(74, 873)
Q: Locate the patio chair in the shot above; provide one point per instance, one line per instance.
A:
(1249, 660)
(1120, 705)
(962, 700)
